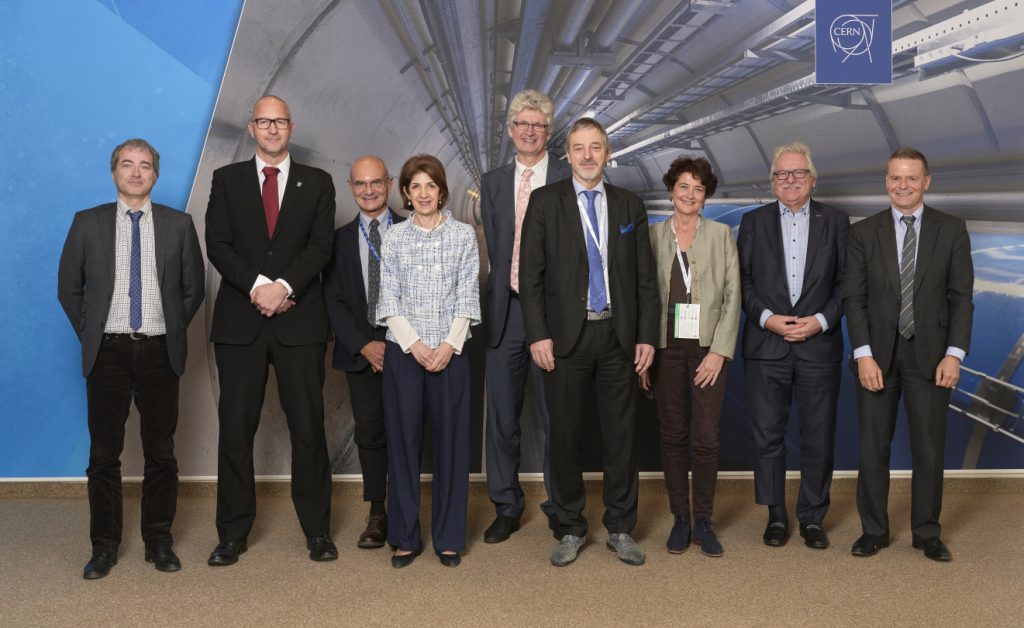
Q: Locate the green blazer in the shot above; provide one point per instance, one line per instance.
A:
(715, 284)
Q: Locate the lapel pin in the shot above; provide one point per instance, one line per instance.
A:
(298, 184)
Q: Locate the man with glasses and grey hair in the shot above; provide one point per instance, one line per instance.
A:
(792, 261)
(352, 290)
(269, 225)
(505, 193)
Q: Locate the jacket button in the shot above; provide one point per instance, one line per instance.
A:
(270, 252)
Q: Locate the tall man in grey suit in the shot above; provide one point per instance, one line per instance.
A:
(352, 291)
(505, 193)
(269, 225)
(792, 258)
(130, 280)
(590, 306)
(909, 310)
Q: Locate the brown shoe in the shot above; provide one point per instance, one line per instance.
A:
(376, 532)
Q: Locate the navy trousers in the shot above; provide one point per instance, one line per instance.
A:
(412, 395)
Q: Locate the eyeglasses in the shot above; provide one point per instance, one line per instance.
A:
(799, 174)
(264, 123)
(375, 185)
(533, 126)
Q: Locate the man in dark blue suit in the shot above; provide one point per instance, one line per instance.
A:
(505, 193)
(792, 260)
(351, 288)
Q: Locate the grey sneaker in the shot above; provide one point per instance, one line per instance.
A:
(627, 549)
(567, 550)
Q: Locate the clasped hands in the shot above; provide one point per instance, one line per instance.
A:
(433, 360)
(793, 328)
(271, 299)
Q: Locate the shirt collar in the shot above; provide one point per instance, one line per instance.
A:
(123, 209)
(897, 214)
(540, 165)
(805, 209)
(284, 166)
(382, 220)
(580, 189)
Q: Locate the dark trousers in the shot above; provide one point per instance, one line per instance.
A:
(599, 363)
(370, 436)
(772, 386)
(676, 396)
(927, 406)
(243, 379)
(128, 369)
(411, 394)
(508, 366)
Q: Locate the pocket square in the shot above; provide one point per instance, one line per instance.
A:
(626, 228)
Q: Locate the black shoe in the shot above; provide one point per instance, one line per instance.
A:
(321, 548)
(450, 560)
(226, 553)
(99, 565)
(934, 548)
(814, 535)
(399, 561)
(776, 533)
(679, 538)
(869, 544)
(163, 558)
(501, 529)
(375, 534)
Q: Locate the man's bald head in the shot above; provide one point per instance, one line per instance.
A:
(370, 184)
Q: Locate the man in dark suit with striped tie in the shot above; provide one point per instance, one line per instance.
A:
(908, 303)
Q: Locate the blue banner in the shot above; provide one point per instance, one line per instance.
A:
(853, 41)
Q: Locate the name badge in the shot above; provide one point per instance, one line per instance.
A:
(686, 324)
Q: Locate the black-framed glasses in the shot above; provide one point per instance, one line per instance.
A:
(264, 123)
(799, 174)
(533, 126)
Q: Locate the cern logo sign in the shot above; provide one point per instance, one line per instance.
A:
(852, 35)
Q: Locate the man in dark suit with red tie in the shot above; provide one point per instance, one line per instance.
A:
(504, 195)
(269, 225)
(908, 298)
(590, 305)
(352, 289)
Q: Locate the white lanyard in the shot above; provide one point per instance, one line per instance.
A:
(601, 240)
(679, 254)
(366, 236)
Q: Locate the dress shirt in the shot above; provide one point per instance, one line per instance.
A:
(282, 180)
(120, 303)
(795, 229)
(600, 229)
(364, 247)
(901, 233)
(429, 282)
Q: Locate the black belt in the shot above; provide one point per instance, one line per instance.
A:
(133, 336)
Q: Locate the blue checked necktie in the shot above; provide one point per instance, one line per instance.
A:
(598, 298)
(907, 264)
(135, 275)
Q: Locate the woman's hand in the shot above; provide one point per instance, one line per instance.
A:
(708, 370)
(423, 354)
(442, 356)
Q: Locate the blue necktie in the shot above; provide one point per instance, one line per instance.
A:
(135, 275)
(598, 298)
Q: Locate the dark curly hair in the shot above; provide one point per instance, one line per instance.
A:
(698, 168)
(428, 165)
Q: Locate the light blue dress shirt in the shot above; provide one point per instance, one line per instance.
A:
(795, 230)
(600, 229)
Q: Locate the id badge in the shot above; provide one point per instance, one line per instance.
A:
(687, 321)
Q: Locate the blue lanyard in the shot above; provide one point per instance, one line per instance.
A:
(366, 236)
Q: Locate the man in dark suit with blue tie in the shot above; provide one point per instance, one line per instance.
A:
(352, 290)
(590, 306)
(505, 193)
(909, 309)
(792, 259)
(130, 280)
(269, 226)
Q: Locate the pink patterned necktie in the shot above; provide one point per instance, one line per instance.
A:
(522, 200)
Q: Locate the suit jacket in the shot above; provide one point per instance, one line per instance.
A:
(553, 269)
(715, 283)
(346, 298)
(240, 249)
(943, 288)
(498, 211)
(763, 274)
(85, 277)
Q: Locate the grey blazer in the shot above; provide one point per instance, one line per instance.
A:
(715, 269)
(85, 277)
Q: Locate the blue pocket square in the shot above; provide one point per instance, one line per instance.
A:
(626, 228)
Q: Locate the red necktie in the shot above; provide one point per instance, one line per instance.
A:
(271, 208)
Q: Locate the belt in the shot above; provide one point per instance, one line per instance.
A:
(599, 316)
(134, 336)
